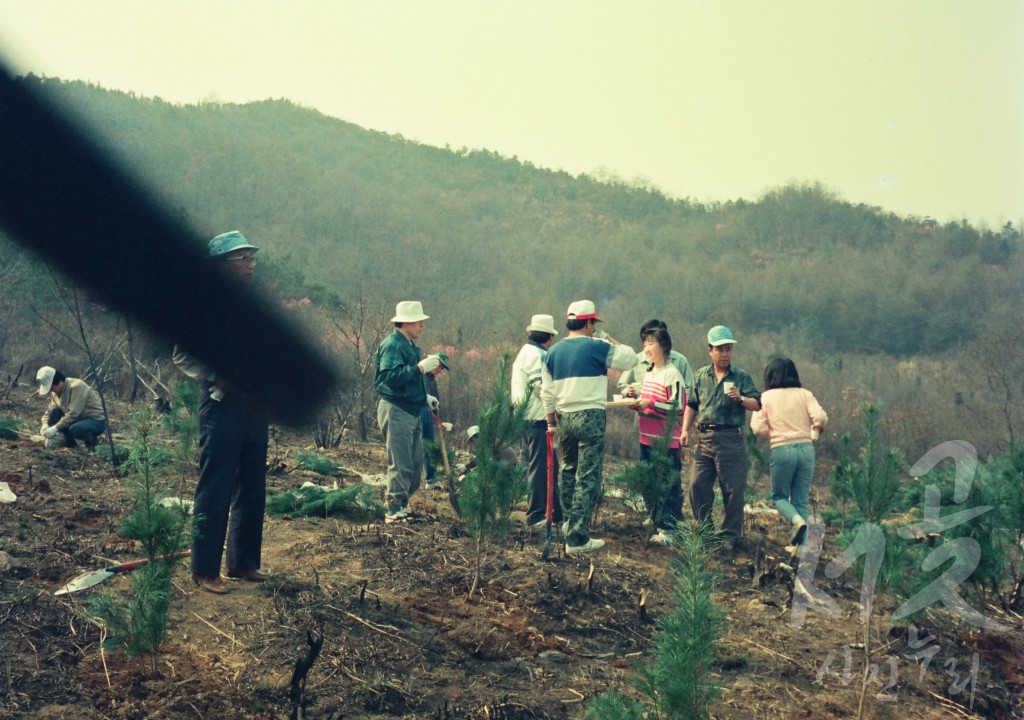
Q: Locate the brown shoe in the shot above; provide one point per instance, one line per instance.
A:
(247, 575)
(213, 585)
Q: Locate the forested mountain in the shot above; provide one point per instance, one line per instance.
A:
(484, 240)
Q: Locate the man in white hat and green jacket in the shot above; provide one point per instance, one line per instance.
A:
(526, 382)
(400, 382)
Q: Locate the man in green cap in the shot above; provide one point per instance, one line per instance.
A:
(722, 395)
(231, 493)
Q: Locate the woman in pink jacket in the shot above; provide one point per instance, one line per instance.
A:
(791, 418)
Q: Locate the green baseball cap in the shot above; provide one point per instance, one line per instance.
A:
(720, 335)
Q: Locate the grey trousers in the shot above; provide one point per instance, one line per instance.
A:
(404, 443)
(720, 455)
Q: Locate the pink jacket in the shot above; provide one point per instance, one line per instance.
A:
(786, 416)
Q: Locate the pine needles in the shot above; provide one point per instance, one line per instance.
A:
(678, 684)
(138, 621)
(313, 501)
(9, 428)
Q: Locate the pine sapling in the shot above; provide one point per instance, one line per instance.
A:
(874, 487)
(678, 684)
(649, 480)
(840, 481)
(183, 423)
(139, 623)
(497, 482)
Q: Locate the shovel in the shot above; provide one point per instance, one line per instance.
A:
(440, 441)
(551, 494)
(95, 577)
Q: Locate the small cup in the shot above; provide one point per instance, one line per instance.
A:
(727, 386)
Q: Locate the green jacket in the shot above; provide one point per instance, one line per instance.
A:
(398, 378)
(712, 405)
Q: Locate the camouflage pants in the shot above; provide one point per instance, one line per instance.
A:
(581, 439)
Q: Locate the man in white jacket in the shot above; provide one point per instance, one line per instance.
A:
(575, 393)
(526, 383)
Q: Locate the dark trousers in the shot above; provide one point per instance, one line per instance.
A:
(232, 491)
(670, 510)
(534, 454)
(720, 455)
(428, 431)
(86, 429)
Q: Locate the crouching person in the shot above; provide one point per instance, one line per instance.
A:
(75, 413)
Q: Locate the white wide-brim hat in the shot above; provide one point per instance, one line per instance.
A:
(542, 323)
(409, 311)
(45, 379)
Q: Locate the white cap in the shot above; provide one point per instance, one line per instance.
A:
(45, 379)
(473, 432)
(582, 310)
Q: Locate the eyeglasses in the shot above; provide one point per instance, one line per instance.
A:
(241, 258)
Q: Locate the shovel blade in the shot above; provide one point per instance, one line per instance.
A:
(85, 581)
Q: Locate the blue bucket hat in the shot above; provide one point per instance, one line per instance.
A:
(720, 335)
(229, 242)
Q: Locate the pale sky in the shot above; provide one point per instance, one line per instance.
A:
(916, 106)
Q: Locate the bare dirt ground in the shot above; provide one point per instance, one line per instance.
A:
(401, 639)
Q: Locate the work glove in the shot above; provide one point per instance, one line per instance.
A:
(433, 404)
(42, 428)
(429, 363)
(50, 432)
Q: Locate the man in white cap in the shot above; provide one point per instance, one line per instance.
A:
(400, 382)
(722, 395)
(231, 494)
(574, 390)
(526, 383)
(75, 411)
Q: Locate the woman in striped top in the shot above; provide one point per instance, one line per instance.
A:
(663, 393)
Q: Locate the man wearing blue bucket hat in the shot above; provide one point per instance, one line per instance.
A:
(232, 490)
(722, 395)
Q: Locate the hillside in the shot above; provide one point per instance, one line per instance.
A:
(468, 231)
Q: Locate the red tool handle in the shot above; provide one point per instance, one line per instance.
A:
(145, 561)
